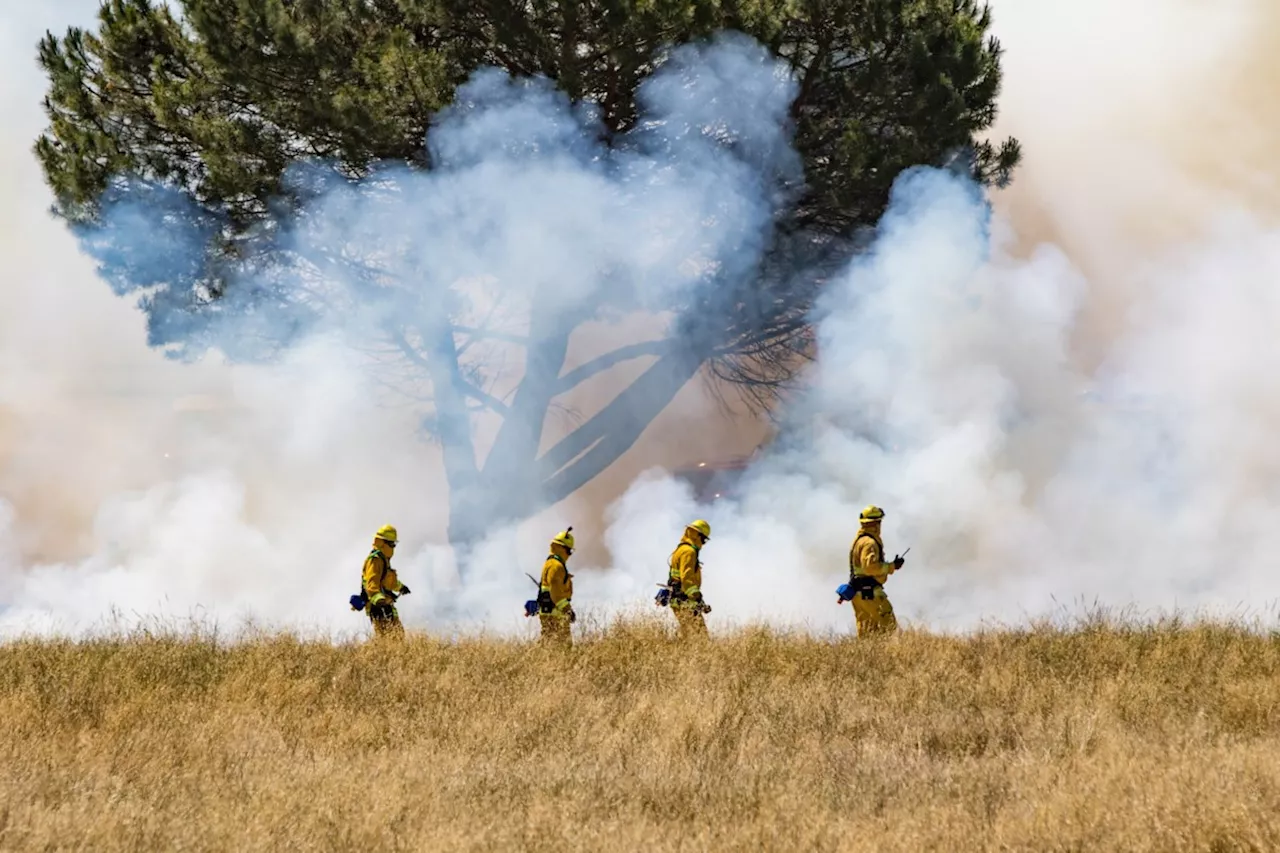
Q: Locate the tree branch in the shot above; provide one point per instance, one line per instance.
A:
(612, 431)
(582, 373)
(485, 399)
(468, 389)
(516, 443)
(487, 334)
(811, 74)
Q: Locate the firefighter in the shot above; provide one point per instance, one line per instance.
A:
(868, 572)
(555, 592)
(381, 586)
(685, 581)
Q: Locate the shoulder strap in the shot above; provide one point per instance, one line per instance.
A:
(671, 561)
(862, 534)
(385, 564)
(564, 567)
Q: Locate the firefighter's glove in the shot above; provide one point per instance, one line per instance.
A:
(404, 590)
(573, 617)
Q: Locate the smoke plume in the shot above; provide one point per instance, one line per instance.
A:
(1059, 394)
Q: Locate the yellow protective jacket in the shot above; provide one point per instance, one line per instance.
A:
(687, 568)
(379, 579)
(866, 557)
(557, 581)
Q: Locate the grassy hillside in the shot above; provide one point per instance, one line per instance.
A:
(1103, 738)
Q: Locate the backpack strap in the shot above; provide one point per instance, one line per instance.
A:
(671, 561)
(563, 565)
(385, 565)
(853, 549)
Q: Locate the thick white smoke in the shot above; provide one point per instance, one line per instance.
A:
(525, 218)
(1068, 403)
(947, 391)
(1085, 419)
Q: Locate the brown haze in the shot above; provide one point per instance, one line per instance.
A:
(1141, 122)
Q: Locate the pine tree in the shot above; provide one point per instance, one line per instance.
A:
(211, 106)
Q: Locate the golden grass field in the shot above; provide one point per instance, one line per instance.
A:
(1099, 737)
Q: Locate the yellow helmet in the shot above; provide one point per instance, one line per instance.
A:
(871, 513)
(565, 538)
(386, 533)
(702, 527)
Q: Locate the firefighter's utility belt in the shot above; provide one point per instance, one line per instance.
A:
(545, 604)
(864, 586)
(670, 595)
(677, 594)
(680, 600)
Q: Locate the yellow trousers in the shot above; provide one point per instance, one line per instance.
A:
(874, 615)
(555, 629)
(689, 623)
(387, 625)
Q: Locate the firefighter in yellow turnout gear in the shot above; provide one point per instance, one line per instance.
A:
(868, 572)
(381, 585)
(555, 592)
(685, 581)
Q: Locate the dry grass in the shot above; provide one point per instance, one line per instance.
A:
(1158, 738)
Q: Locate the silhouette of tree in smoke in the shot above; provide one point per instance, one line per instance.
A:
(205, 113)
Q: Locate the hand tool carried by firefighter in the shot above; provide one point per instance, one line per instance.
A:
(531, 606)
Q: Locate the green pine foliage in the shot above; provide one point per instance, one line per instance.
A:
(221, 97)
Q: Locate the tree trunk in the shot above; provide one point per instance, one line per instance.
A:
(515, 483)
(491, 500)
(591, 448)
